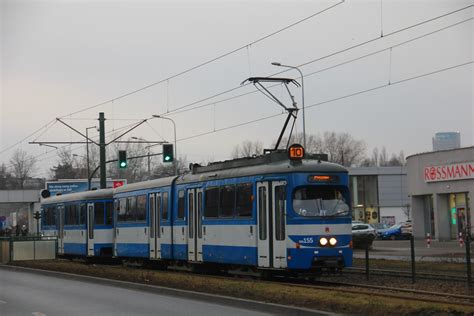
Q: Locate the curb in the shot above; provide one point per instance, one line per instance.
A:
(273, 308)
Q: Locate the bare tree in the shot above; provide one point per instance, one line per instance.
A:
(22, 165)
(136, 168)
(65, 166)
(248, 149)
(341, 148)
(383, 157)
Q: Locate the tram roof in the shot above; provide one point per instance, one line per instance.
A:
(275, 167)
(161, 182)
(80, 196)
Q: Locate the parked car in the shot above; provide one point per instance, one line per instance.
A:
(380, 228)
(398, 231)
(362, 235)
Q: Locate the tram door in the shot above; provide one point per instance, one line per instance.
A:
(195, 225)
(155, 230)
(90, 229)
(271, 221)
(60, 229)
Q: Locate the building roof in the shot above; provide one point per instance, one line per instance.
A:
(438, 151)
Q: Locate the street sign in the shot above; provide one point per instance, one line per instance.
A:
(79, 185)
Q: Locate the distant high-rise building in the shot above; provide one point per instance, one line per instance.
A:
(446, 141)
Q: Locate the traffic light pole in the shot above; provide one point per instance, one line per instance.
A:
(103, 181)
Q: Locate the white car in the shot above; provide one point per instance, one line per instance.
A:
(362, 229)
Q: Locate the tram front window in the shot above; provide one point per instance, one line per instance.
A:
(320, 201)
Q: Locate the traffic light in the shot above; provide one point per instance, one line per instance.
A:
(168, 154)
(122, 159)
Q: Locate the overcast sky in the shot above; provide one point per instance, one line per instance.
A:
(58, 57)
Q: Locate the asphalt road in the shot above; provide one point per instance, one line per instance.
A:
(30, 294)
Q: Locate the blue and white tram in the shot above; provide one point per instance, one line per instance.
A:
(143, 226)
(264, 213)
(83, 222)
(268, 213)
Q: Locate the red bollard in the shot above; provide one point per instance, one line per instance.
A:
(461, 240)
(428, 240)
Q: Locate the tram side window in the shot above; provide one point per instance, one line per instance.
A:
(131, 208)
(49, 216)
(99, 213)
(109, 213)
(164, 212)
(68, 219)
(72, 216)
(211, 202)
(181, 204)
(262, 213)
(140, 214)
(280, 200)
(82, 213)
(244, 200)
(226, 201)
(121, 208)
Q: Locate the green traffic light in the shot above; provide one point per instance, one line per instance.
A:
(167, 158)
(123, 164)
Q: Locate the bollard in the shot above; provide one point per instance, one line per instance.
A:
(367, 262)
(428, 240)
(412, 246)
(461, 240)
(468, 260)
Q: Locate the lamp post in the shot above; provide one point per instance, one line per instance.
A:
(87, 155)
(175, 148)
(148, 155)
(302, 96)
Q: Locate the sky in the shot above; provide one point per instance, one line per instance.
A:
(62, 57)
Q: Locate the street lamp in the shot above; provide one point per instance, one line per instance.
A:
(175, 148)
(148, 154)
(302, 96)
(87, 155)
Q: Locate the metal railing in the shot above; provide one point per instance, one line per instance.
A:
(19, 248)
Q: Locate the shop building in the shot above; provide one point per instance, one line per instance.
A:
(379, 194)
(441, 185)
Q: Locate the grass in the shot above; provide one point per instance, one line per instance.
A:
(328, 300)
(406, 265)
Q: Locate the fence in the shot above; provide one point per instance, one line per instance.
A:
(416, 259)
(27, 248)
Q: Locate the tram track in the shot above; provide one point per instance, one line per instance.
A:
(408, 274)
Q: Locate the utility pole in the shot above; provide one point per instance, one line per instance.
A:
(103, 175)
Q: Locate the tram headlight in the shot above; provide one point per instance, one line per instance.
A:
(323, 241)
(332, 241)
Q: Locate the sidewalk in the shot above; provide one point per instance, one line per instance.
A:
(449, 251)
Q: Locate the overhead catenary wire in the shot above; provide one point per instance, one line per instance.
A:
(181, 73)
(327, 68)
(110, 134)
(185, 108)
(318, 59)
(332, 100)
(209, 61)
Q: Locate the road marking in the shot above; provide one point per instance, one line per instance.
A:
(2, 302)
(38, 314)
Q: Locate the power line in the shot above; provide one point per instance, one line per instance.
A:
(182, 109)
(177, 110)
(25, 138)
(333, 100)
(207, 62)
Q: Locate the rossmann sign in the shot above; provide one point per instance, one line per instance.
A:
(455, 171)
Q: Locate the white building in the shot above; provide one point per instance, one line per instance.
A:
(379, 194)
